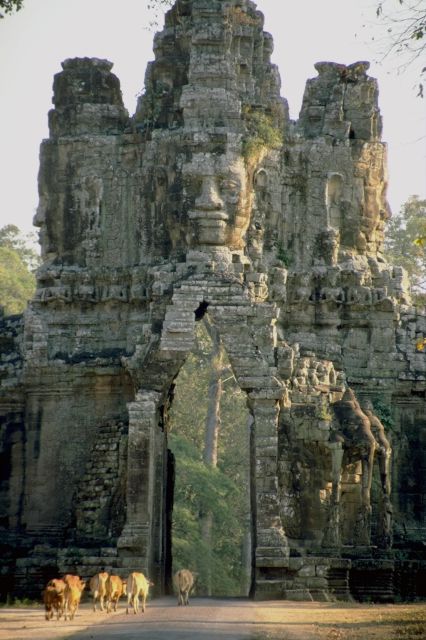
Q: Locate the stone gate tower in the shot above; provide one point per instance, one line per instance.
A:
(211, 200)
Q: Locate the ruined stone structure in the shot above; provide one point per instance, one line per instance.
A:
(211, 200)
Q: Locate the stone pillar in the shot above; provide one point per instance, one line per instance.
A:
(135, 539)
(271, 545)
(332, 537)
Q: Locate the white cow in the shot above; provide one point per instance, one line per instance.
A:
(184, 583)
(115, 588)
(98, 588)
(137, 585)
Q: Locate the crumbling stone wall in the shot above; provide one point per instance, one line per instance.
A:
(211, 200)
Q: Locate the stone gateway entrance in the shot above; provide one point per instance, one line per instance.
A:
(209, 199)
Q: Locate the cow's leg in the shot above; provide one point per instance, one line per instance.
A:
(129, 602)
(143, 602)
(95, 596)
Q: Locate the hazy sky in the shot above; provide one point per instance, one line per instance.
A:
(35, 41)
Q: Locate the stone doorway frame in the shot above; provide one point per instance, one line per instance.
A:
(247, 329)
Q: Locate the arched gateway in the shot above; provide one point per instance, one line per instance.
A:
(211, 200)
(248, 333)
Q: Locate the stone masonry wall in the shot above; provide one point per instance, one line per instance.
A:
(209, 199)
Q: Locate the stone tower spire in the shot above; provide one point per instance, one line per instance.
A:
(209, 200)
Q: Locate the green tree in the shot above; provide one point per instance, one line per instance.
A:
(210, 505)
(404, 245)
(17, 262)
(9, 6)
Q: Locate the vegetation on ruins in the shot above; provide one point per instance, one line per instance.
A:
(261, 134)
(202, 488)
(17, 263)
(383, 412)
(282, 254)
(404, 243)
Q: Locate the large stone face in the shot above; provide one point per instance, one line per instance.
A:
(210, 200)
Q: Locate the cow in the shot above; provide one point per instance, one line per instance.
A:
(98, 588)
(115, 588)
(137, 585)
(73, 590)
(184, 583)
(54, 598)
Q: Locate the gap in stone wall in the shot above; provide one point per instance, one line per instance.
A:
(211, 523)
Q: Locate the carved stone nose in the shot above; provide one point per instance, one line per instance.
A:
(209, 198)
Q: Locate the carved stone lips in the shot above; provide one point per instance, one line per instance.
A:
(199, 214)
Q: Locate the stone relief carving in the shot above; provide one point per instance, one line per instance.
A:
(144, 220)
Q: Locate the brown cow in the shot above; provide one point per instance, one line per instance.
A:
(137, 585)
(98, 588)
(54, 598)
(73, 590)
(184, 583)
(115, 588)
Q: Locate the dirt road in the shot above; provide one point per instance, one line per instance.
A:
(213, 619)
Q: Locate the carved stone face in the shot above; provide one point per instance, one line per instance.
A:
(40, 221)
(220, 199)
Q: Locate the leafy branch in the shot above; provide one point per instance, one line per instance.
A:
(405, 32)
(9, 6)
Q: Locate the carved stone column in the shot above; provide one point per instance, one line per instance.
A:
(271, 545)
(135, 539)
(332, 537)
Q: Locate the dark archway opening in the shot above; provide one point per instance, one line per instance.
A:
(200, 312)
(210, 519)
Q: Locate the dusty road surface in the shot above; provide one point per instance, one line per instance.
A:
(214, 619)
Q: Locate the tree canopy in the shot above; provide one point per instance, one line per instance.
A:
(17, 262)
(9, 6)
(201, 488)
(405, 246)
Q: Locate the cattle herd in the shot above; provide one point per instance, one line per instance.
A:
(62, 595)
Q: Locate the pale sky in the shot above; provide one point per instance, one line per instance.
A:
(35, 41)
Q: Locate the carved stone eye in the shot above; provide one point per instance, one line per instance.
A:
(230, 190)
(192, 185)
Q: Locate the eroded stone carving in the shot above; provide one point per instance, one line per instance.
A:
(209, 199)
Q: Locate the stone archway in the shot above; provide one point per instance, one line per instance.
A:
(248, 334)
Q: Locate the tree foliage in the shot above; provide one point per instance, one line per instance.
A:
(404, 243)
(201, 489)
(405, 24)
(157, 8)
(17, 261)
(9, 6)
